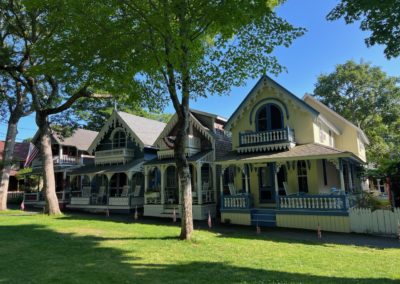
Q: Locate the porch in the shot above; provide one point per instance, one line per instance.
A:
(163, 192)
(107, 187)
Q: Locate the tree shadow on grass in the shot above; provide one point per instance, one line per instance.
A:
(284, 235)
(37, 254)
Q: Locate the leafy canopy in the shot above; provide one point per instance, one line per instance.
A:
(381, 17)
(370, 99)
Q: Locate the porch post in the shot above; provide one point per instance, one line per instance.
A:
(276, 169)
(64, 182)
(214, 181)
(146, 183)
(350, 178)
(246, 175)
(109, 176)
(162, 190)
(60, 153)
(341, 175)
(221, 186)
(199, 185)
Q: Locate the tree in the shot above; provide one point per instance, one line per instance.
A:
(185, 49)
(369, 98)
(54, 83)
(14, 97)
(95, 112)
(380, 17)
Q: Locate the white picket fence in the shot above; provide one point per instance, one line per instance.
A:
(374, 222)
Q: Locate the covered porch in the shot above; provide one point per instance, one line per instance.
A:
(114, 187)
(163, 192)
(267, 188)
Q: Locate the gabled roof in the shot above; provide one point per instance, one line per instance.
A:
(359, 130)
(80, 138)
(20, 150)
(266, 80)
(144, 130)
(196, 123)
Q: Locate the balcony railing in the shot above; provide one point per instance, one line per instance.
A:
(193, 146)
(57, 160)
(285, 135)
(238, 201)
(121, 155)
(314, 202)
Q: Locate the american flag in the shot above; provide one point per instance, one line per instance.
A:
(209, 219)
(32, 154)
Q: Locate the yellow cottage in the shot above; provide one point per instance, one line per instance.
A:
(293, 162)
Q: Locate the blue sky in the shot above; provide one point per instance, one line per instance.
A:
(324, 45)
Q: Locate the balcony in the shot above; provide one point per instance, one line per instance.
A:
(271, 140)
(114, 156)
(60, 160)
(193, 146)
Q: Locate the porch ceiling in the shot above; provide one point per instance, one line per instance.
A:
(134, 166)
(301, 152)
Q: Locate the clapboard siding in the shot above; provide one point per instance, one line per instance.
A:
(364, 220)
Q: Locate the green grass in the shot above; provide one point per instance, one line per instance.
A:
(86, 249)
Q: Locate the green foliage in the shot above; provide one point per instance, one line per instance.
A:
(370, 99)
(22, 172)
(368, 200)
(381, 17)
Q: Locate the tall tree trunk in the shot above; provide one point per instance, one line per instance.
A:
(184, 177)
(8, 155)
(49, 183)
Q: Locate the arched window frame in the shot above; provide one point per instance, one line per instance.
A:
(267, 108)
(120, 144)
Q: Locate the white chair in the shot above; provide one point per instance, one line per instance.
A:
(100, 195)
(124, 192)
(86, 191)
(232, 189)
(136, 192)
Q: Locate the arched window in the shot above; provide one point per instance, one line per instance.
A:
(119, 139)
(269, 117)
(302, 176)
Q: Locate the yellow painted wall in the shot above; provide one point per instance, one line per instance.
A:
(236, 218)
(300, 119)
(348, 139)
(332, 175)
(310, 222)
(321, 135)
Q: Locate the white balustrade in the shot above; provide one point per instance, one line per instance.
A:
(313, 202)
(270, 136)
(120, 155)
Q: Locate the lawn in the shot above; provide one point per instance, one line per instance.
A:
(95, 249)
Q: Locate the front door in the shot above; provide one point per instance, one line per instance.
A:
(266, 184)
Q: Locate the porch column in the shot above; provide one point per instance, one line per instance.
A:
(199, 185)
(64, 182)
(162, 190)
(246, 175)
(276, 169)
(341, 175)
(60, 154)
(146, 183)
(349, 177)
(108, 175)
(214, 181)
(180, 190)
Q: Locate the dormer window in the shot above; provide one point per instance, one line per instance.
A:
(119, 139)
(269, 117)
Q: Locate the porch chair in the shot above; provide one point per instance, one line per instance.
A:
(285, 188)
(101, 194)
(124, 192)
(86, 191)
(205, 189)
(136, 192)
(232, 189)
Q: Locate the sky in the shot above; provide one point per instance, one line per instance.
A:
(318, 51)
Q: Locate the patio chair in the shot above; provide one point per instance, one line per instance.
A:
(86, 191)
(136, 192)
(101, 194)
(232, 189)
(125, 192)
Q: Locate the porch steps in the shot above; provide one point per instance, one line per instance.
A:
(263, 217)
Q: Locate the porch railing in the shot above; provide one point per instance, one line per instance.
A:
(238, 201)
(63, 195)
(193, 146)
(31, 197)
(120, 155)
(314, 202)
(266, 137)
